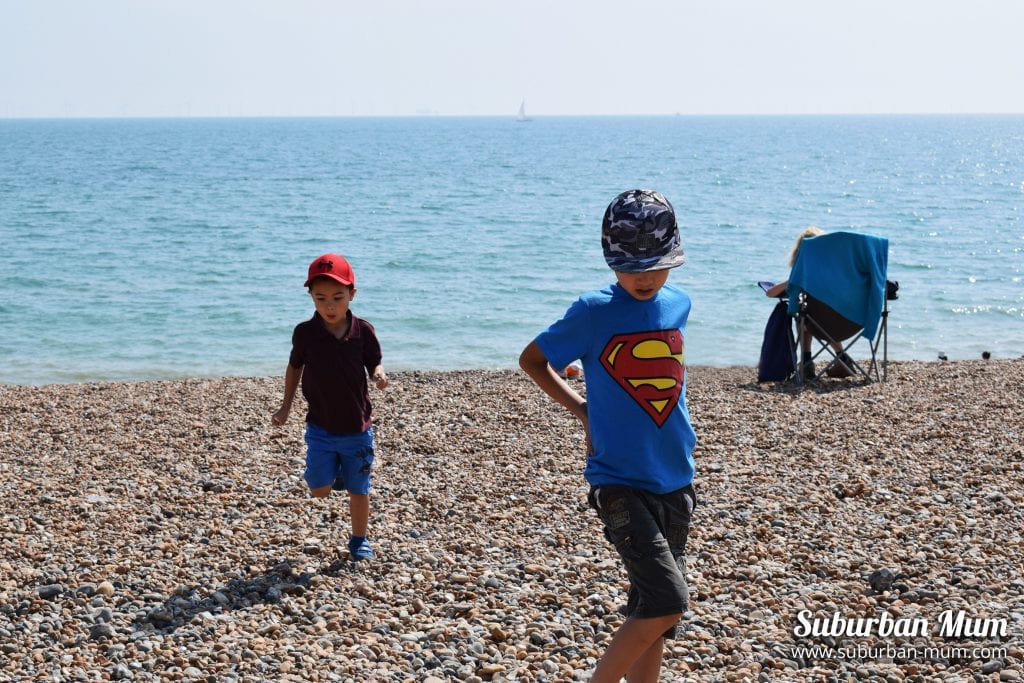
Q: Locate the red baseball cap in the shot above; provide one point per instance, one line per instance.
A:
(332, 266)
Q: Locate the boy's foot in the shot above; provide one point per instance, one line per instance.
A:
(807, 369)
(359, 549)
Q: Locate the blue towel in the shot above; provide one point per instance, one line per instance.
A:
(845, 270)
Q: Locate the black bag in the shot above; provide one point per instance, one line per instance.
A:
(776, 363)
(891, 289)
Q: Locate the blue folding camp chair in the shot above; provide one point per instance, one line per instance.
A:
(837, 294)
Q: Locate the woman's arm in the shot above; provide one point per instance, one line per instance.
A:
(777, 290)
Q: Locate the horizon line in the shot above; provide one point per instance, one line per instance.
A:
(435, 115)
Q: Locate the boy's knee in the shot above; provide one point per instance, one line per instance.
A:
(320, 492)
(667, 625)
(673, 626)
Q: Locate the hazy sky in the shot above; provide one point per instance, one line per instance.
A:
(384, 57)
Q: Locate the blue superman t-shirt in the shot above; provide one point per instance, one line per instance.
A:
(633, 363)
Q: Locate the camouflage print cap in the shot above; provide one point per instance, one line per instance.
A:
(640, 233)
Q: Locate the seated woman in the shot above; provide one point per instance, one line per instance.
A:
(844, 368)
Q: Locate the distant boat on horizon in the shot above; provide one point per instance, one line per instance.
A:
(521, 117)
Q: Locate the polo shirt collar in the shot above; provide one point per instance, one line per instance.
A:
(351, 325)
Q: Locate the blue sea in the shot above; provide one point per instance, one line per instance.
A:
(164, 248)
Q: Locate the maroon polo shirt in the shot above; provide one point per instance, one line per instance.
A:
(334, 373)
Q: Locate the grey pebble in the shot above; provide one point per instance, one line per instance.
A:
(50, 591)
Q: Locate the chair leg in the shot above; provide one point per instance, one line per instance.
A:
(798, 361)
(792, 348)
(885, 342)
(881, 339)
(871, 371)
(826, 345)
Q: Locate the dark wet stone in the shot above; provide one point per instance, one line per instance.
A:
(881, 580)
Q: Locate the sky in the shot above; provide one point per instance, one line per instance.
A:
(116, 58)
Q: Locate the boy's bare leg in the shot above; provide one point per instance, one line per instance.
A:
(647, 668)
(636, 649)
(358, 505)
(359, 509)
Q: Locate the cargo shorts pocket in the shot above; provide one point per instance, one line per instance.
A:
(623, 519)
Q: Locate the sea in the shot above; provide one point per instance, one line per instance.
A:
(138, 249)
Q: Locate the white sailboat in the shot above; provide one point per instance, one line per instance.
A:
(521, 117)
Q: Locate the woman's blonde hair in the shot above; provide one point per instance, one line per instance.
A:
(809, 231)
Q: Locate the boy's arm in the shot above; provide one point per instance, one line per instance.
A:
(535, 364)
(291, 382)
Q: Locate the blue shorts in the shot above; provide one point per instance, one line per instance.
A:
(344, 460)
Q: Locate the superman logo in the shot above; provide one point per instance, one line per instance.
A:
(649, 366)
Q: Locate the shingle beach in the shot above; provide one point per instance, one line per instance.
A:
(161, 531)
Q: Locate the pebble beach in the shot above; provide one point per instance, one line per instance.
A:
(161, 531)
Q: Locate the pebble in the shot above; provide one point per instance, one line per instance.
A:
(101, 631)
(186, 547)
(50, 591)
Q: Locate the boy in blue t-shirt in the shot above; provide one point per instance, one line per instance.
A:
(629, 337)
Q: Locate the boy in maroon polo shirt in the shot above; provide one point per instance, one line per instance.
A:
(332, 353)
